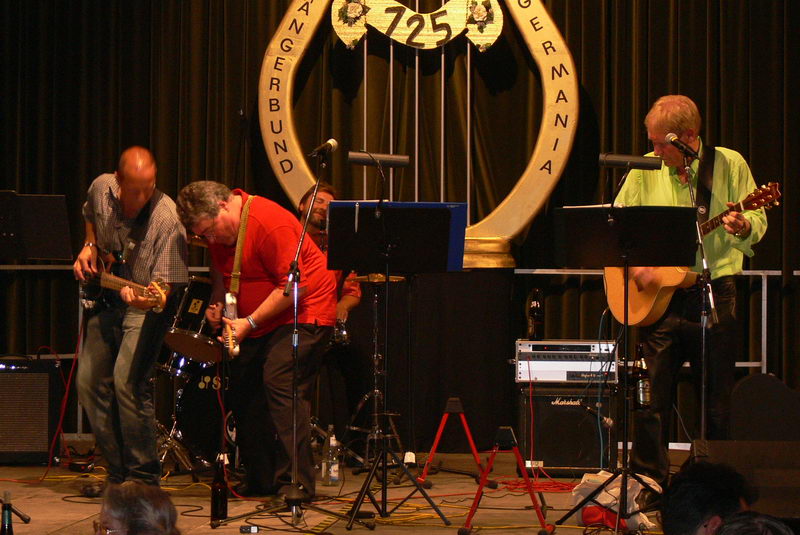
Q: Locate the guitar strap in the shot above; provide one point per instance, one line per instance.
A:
(236, 272)
(130, 249)
(705, 181)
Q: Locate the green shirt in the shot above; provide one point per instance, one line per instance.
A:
(732, 182)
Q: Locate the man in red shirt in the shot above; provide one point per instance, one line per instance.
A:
(261, 376)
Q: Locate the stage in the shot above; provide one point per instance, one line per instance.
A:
(56, 507)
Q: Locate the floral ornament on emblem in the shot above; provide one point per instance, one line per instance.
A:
(352, 10)
(480, 14)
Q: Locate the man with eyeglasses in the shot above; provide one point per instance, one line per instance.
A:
(261, 376)
(129, 221)
(720, 177)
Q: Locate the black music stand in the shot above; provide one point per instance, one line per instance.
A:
(23, 233)
(603, 236)
(399, 238)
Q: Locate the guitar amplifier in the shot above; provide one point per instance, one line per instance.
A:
(565, 361)
(30, 392)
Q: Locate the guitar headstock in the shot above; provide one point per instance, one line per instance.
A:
(765, 196)
(157, 292)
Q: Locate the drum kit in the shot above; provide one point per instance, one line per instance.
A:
(190, 356)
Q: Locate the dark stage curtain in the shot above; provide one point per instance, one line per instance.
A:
(82, 80)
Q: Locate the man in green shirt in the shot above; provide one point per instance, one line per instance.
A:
(675, 337)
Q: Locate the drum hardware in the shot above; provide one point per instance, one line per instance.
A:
(322, 435)
(340, 335)
(170, 445)
(375, 435)
(186, 334)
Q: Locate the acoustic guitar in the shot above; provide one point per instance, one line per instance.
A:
(647, 305)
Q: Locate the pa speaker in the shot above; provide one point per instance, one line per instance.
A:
(30, 392)
(764, 408)
(561, 424)
(773, 467)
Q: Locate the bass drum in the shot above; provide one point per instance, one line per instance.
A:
(200, 425)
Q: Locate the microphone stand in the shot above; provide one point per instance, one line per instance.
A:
(708, 304)
(22, 516)
(294, 497)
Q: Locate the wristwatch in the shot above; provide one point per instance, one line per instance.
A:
(252, 322)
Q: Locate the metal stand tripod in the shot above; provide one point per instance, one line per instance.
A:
(375, 433)
(378, 437)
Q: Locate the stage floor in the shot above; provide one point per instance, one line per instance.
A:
(56, 507)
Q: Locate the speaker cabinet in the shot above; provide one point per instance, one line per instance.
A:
(29, 399)
(567, 439)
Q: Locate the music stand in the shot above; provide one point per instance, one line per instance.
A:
(389, 237)
(24, 237)
(603, 236)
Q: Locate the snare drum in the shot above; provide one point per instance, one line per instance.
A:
(186, 337)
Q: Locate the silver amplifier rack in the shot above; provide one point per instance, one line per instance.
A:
(565, 361)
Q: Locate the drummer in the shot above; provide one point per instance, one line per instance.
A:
(346, 382)
(261, 376)
(347, 288)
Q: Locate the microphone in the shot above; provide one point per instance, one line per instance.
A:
(607, 422)
(329, 146)
(373, 158)
(673, 140)
(629, 162)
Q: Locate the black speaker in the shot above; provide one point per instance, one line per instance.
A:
(567, 438)
(772, 466)
(30, 394)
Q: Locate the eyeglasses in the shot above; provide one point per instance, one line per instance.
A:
(210, 232)
(102, 529)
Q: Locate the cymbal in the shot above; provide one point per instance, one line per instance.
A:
(378, 278)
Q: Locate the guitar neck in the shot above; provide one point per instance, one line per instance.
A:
(716, 221)
(112, 282)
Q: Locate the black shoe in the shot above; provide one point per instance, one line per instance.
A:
(246, 490)
(648, 500)
(303, 495)
(93, 490)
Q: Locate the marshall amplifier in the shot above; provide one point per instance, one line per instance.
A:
(565, 361)
(567, 430)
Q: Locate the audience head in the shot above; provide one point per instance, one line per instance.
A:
(700, 496)
(134, 508)
(752, 523)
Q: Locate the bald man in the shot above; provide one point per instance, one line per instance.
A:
(132, 225)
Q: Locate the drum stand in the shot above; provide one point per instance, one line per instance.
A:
(374, 433)
(170, 445)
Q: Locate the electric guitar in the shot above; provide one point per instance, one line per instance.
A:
(94, 295)
(230, 312)
(647, 305)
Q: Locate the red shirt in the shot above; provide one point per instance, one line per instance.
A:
(270, 244)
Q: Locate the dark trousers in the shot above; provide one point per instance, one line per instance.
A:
(261, 400)
(671, 341)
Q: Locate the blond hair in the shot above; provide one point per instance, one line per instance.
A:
(674, 113)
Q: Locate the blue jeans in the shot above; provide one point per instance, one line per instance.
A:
(119, 348)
